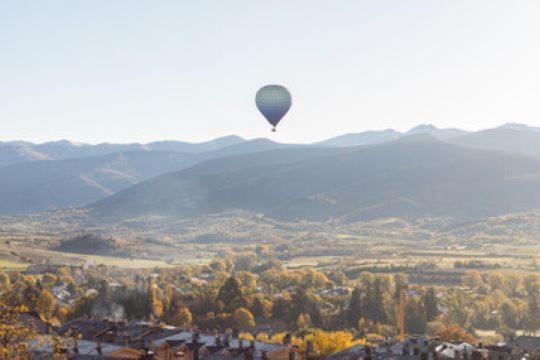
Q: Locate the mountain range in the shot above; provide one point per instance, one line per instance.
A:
(444, 172)
(411, 177)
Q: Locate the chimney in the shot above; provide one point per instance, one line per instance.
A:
(149, 355)
(309, 346)
(226, 342)
(235, 333)
(218, 341)
(292, 354)
(98, 349)
(195, 341)
(368, 353)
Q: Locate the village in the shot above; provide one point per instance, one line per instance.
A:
(229, 309)
(88, 338)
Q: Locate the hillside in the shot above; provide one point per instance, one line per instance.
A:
(413, 177)
(92, 244)
(33, 186)
(45, 185)
(18, 151)
(510, 138)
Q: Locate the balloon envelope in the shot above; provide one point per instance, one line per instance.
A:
(273, 101)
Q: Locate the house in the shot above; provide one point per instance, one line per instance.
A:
(526, 345)
(33, 321)
(44, 346)
(86, 327)
(415, 348)
(126, 354)
(204, 346)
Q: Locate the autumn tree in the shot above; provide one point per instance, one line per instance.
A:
(455, 333)
(330, 342)
(46, 304)
(531, 283)
(303, 321)
(513, 313)
(472, 279)
(183, 318)
(243, 318)
(258, 309)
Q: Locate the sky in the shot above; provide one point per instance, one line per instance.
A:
(138, 71)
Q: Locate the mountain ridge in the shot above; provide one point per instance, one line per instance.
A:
(411, 178)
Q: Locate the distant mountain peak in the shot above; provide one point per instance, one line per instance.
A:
(418, 138)
(519, 126)
(64, 142)
(423, 128)
(443, 134)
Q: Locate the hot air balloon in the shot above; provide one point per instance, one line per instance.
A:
(273, 101)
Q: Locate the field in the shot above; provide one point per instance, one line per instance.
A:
(423, 246)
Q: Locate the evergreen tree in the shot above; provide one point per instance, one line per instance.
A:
(231, 295)
(379, 312)
(280, 308)
(258, 308)
(415, 317)
(431, 305)
(316, 315)
(355, 307)
(300, 304)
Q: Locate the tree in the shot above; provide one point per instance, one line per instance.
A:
(431, 305)
(46, 304)
(247, 280)
(244, 262)
(377, 303)
(415, 317)
(327, 343)
(231, 295)
(243, 318)
(4, 280)
(498, 281)
(280, 307)
(262, 251)
(303, 321)
(355, 307)
(183, 318)
(300, 304)
(454, 333)
(513, 313)
(472, 279)
(157, 302)
(13, 334)
(258, 308)
(459, 310)
(531, 283)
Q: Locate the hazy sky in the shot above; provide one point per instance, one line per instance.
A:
(127, 70)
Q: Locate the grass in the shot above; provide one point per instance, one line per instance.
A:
(123, 262)
(12, 265)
